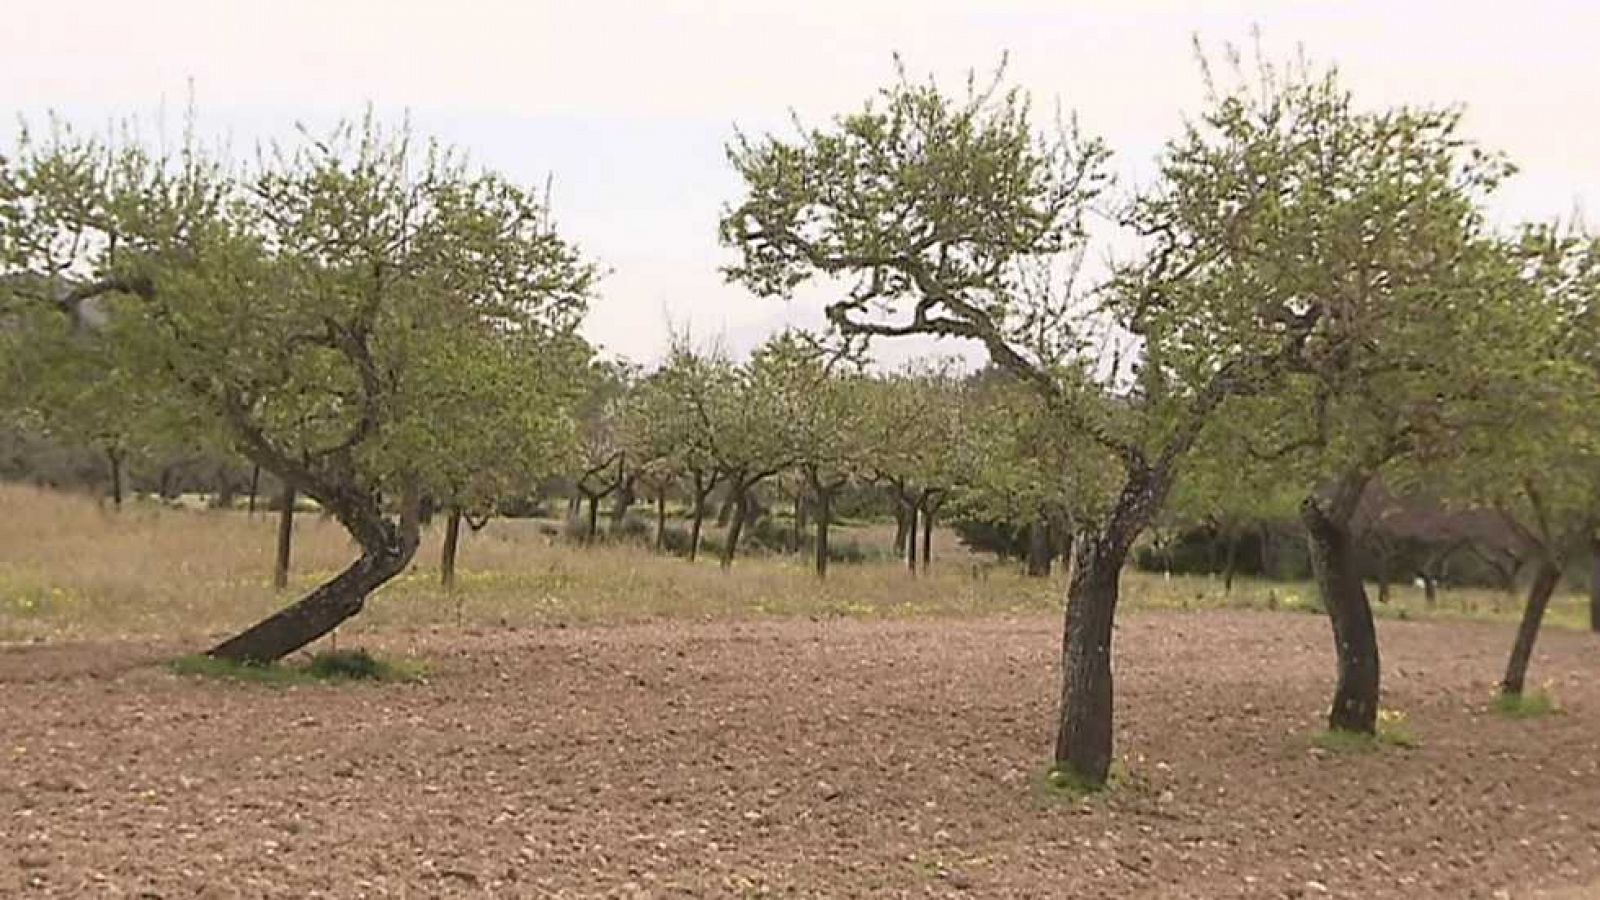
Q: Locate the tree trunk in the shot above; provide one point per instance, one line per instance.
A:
(735, 526)
(255, 487)
(1430, 589)
(824, 517)
(621, 505)
(452, 541)
(1544, 584)
(1039, 555)
(911, 539)
(386, 549)
(280, 568)
(1084, 732)
(725, 511)
(900, 525)
(1594, 584)
(114, 459)
(1269, 558)
(592, 529)
(927, 536)
(1383, 577)
(697, 518)
(799, 524)
(661, 520)
(1355, 638)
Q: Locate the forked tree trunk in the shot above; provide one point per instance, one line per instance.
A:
(1544, 584)
(452, 542)
(1355, 638)
(114, 461)
(1039, 550)
(280, 566)
(386, 549)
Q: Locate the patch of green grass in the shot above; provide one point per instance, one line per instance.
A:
(1068, 784)
(1394, 730)
(1526, 705)
(334, 666)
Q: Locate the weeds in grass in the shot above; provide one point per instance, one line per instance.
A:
(1526, 705)
(333, 666)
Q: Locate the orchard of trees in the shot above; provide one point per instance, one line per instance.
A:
(1304, 319)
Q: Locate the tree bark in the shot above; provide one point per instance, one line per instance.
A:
(1544, 584)
(592, 529)
(1039, 550)
(1355, 638)
(280, 567)
(623, 502)
(255, 487)
(452, 541)
(1084, 730)
(114, 460)
(900, 525)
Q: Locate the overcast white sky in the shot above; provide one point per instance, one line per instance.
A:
(629, 104)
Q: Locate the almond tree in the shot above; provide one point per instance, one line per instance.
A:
(938, 214)
(308, 306)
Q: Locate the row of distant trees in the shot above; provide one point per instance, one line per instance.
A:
(1305, 301)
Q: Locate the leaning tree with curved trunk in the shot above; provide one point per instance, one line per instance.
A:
(953, 217)
(344, 311)
(1375, 231)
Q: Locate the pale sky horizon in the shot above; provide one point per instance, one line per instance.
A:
(627, 106)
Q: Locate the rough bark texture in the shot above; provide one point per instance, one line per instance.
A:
(900, 525)
(1544, 584)
(1355, 638)
(1083, 736)
(280, 567)
(1084, 729)
(452, 542)
(386, 549)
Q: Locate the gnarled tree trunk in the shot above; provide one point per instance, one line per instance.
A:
(1084, 732)
(386, 549)
(1355, 638)
(1544, 584)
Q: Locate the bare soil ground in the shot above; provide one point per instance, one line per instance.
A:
(833, 758)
